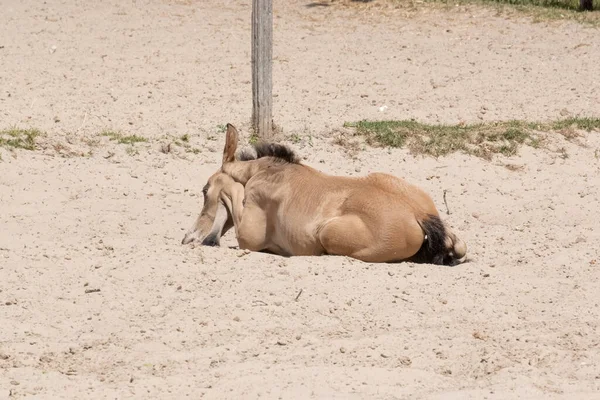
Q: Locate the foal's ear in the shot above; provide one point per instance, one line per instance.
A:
(231, 143)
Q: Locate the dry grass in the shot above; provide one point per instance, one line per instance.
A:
(15, 138)
(184, 141)
(351, 147)
(482, 140)
(538, 10)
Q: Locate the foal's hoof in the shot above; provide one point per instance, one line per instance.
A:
(210, 241)
(187, 239)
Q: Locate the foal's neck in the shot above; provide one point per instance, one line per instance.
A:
(242, 171)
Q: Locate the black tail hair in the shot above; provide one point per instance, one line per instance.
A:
(275, 150)
(433, 250)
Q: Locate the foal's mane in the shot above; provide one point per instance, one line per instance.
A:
(279, 152)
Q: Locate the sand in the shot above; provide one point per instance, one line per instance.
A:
(98, 298)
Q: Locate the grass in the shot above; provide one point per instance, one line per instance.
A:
(585, 124)
(253, 139)
(567, 5)
(221, 128)
(132, 151)
(539, 10)
(185, 143)
(352, 147)
(295, 138)
(16, 138)
(123, 139)
(482, 140)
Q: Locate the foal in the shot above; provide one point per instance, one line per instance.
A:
(279, 205)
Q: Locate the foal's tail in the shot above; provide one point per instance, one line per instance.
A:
(441, 246)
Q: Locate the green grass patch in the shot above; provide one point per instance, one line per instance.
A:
(193, 150)
(19, 138)
(123, 139)
(253, 139)
(295, 138)
(482, 140)
(584, 124)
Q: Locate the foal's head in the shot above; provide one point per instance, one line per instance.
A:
(215, 219)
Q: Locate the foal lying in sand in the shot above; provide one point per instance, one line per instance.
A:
(278, 205)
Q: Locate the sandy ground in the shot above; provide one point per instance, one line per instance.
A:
(98, 298)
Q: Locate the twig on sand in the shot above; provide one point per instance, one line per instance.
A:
(298, 295)
(82, 123)
(446, 203)
(87, 291)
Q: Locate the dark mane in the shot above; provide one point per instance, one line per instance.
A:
(279, 151)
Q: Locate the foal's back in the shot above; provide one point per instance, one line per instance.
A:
(302, 183)
(411, 195)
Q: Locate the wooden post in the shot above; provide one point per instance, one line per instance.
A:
(262, 68)
(586, 5)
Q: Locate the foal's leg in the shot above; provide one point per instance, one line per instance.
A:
(233, 197)
(249, 220)
(349, 236)
(252, 232)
